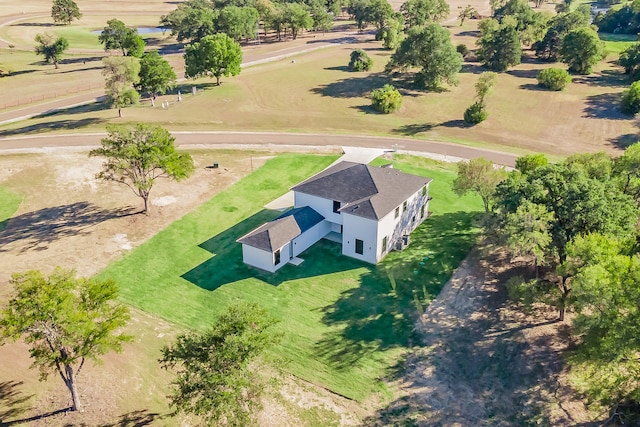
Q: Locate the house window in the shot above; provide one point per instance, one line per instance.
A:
(413, 218)
(404, 206)
(359, 247)
(336, 206)
(384, 244)
(276, 257)
(424, 190)
(397, 211)
(422, 212)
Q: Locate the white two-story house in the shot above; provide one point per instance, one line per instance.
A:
(369, 210)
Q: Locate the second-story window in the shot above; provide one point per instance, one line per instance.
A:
(336, 206)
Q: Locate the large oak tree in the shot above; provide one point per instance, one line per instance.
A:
(138, 155)
(64, 320)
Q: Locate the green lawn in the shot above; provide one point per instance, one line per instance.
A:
(9, 203)
(345, 326)
(616, 43)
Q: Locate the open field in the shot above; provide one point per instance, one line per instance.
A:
(328, 306)
(323, 97)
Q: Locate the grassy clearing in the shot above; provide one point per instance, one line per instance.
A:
(344, 323)
(616, 43)
(9, 203)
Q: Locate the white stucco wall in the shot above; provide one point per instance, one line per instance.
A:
(360, 228)
(323, 206)
(309, 237)
(264, 259)
(395, 228)
(258, 258)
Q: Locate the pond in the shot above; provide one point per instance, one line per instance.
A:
(142, 30)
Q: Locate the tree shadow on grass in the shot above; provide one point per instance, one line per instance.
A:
(623, 142)
(340, 68)
(379, 314)
(13, 402)
(186, 88)
(534, 87)
(604, 106)
(138, 418)
(226, 265)
(352, 87)
(524, 74)
(418, 128)
(36, 230)
(606, 78)
(470, 68)
(84, 60)
(50, 126)
(17, 73)
(80, 109)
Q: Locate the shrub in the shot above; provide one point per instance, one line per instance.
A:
(386, 99)
(631, 99)
(475, 114)
(462, 49)
(554, 78)
(360, 61)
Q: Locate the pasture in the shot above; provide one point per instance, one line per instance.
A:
(321, 96)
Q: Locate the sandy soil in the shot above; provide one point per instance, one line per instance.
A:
(485, 362)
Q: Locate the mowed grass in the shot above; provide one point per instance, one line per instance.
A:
(345, 323)
(616, 43)
(9, 203)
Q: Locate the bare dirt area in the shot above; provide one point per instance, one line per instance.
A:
(484, 361)
(69, 218)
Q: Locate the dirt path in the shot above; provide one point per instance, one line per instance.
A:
(483, 361)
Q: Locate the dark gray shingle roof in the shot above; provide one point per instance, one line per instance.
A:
(368, 191)
(274, 234)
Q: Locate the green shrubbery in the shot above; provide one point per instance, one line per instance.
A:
(462, 49)
(386, 99)
(360, 61)
(554, 78)
(631, 99)
(475, 114)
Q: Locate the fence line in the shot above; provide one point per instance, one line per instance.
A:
(18, 101)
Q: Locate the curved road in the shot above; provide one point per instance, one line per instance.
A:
(440, 150)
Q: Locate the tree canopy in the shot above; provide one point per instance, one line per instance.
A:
(121, 75)
(51, 49)
(156, 74)
(140, 154)
(213, 375)
(217, 55)
(64, 320)
(65, 11)
(559, 26)
(430, 49)
(423, 12)
(191, 21)
(116, 35)
(479, 176)
(581, 49)
(500, 47)
(630, 60)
